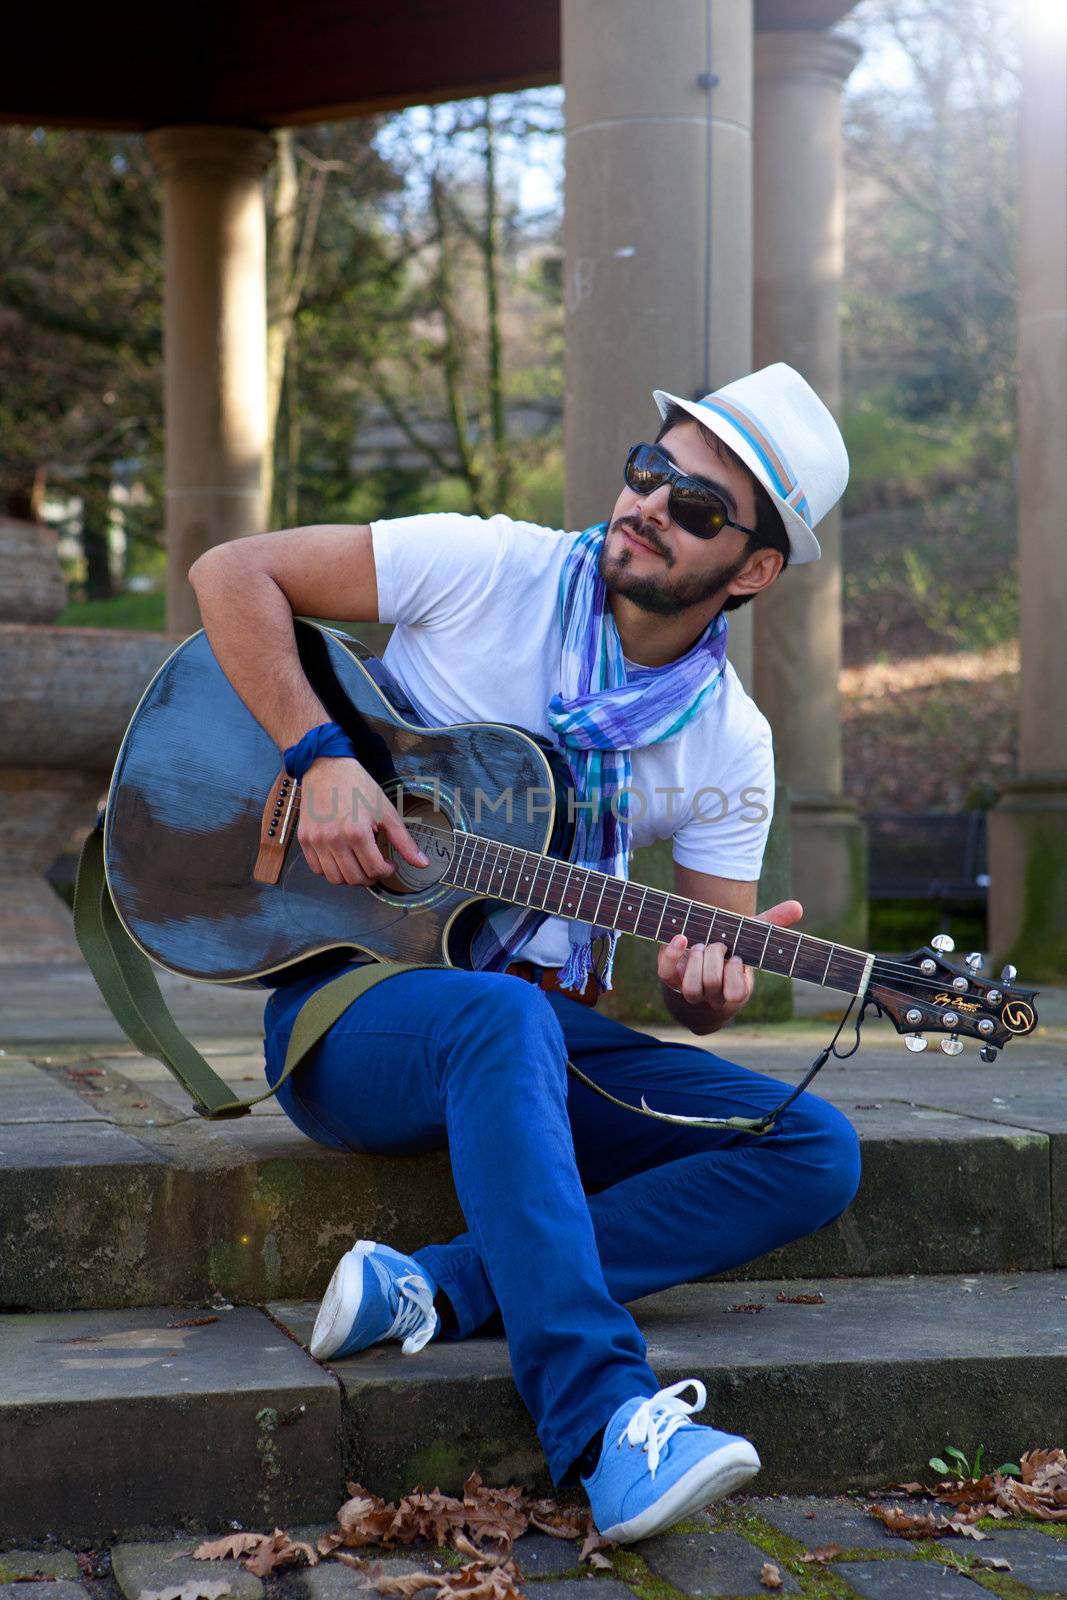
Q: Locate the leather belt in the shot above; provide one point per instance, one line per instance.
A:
(547, 978)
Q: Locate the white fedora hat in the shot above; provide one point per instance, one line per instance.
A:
(787, 439)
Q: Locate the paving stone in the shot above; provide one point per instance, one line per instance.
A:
(332, 1580)
(29, 1094)
(606, 1589)
(62, 1590)
(30, 1147)
(824, 1521)
(55, 1002)
(38, 1563)
(541, 1556)
(1037, 1559)
(907, 1580)
(169, 1566)
(710, 1564)
(229, 1419)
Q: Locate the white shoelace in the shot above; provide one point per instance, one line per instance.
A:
(416, 1319)
(660, 1416)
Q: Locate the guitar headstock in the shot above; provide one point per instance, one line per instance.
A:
(923, 993)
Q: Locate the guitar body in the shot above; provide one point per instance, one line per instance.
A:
(184, 811)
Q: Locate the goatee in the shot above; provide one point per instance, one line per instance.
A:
(659, 595)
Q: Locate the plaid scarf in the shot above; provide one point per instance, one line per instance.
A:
(597, 718)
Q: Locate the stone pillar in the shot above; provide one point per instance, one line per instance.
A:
(215, 344)
(798, 265)
(1028, 827)
(657, 228)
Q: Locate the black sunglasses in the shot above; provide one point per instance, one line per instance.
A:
(694, 504)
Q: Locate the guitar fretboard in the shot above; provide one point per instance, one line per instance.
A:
(562, 889)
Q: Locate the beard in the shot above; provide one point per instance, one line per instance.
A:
(659, 594)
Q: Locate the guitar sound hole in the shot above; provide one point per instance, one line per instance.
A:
(431, 830)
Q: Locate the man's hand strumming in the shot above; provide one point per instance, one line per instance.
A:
(342, 810)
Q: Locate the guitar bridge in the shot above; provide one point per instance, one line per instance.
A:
(280, 816)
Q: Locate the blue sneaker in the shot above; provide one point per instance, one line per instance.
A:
(656, 1466)
(375, 1293)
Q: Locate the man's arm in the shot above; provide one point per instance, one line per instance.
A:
(701, 989)
(249, 591)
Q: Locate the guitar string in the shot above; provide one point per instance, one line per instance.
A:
(883, 968)
(842, 957)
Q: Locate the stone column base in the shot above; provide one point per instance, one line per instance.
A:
(1028, 879)
(40, 807)
(35, 925)
(830, 870)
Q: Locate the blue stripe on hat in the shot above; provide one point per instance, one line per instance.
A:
(767, 449)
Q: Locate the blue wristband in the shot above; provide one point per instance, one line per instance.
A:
(328, 739)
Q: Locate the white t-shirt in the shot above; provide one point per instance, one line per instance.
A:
(476, 604)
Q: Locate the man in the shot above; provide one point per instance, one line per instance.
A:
(613, 643)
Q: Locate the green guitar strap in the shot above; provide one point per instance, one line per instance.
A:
(125, 978)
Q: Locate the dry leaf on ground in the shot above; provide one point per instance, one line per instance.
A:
(1041, 1492)
(278, 1550)
(497, 1514)
(264, 1551)
(822, 1552)
(363, 1519)
(193, 1322)
(411, 1582)
(594, 1540)
(193, 1590)
(432, 1516)
(486, 1516)
(800, 1299)
(747, 1305)
(926, 1524)
(232, 1546)
(481, 1579)
(769, 1576)
(562, 1522)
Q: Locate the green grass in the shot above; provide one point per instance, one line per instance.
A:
(899, 926)
(138, 613)
(896, 459)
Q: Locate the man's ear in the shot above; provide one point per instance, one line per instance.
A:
(758, 572)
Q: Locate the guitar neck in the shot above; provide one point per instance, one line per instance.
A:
(562, 889)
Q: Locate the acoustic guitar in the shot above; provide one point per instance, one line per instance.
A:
(205, 874)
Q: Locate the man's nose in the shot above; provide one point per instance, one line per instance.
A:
(654, 504)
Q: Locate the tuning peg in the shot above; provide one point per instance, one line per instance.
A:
(1009, 974)
(952, 1045)
(943, 942)
(916, 1041)
(974, 962)
(988, 1053)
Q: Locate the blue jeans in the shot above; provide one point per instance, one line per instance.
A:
(574, 1207)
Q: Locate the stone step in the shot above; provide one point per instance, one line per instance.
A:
(113, 1193)
(133, 1422)
(137, 1420)
(855, 1392)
